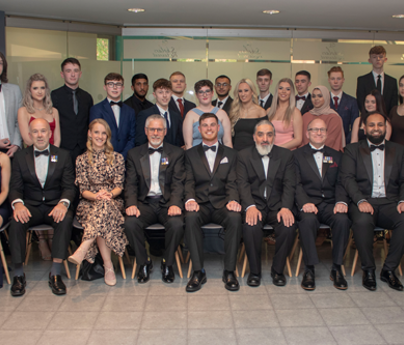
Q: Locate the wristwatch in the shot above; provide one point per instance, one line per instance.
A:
(64, 203)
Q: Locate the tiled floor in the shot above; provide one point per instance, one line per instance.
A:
(154, 313)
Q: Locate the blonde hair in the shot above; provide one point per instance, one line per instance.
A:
(109, 149)
(287, 117)
(27, 100)
(235, 110)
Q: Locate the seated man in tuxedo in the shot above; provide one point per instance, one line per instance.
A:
(303, 97)
(162, 92)
(211, 196)
(266, 182)
(178, 103)
(222, 88)
(320, 198)
(120, 117)
(41, 190)
(154, 194)
(140, 87)
(264, 81)
(372, 172)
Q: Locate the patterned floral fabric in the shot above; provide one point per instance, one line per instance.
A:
(101, 217)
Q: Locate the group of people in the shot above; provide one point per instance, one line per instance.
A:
(240, 162)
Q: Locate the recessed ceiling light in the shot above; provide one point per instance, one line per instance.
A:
(270, 12)
(136, 10)
(401, 16)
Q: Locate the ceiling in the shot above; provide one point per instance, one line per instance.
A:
(341, 14)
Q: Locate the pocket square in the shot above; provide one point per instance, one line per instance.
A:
(335, 165)
(224, 160)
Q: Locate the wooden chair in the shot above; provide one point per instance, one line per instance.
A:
(178, 254)
(3, 257)
(42, 227)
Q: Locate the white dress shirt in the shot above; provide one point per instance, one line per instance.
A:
(176, 98)
(375, 75)
(116, 109)
(378, 189)
(3, 119)
(223, 102)
(265, 163)
(162, 111)
(339, 97)
(318, 157)
(211, 156)
(300, 102)
(154, 160)
(263, 99)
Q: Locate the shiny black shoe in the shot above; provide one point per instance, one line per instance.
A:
(278, 279)
(308, 282)
(195, 283)
(57, 285)
(390, 278)
(369, 280)
(338, 278)
(18, 287)
(254, 280)
(143, 275)
(230, 281)
(167, 272)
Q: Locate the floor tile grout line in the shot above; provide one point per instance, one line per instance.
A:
(232, 319)
(279, 323)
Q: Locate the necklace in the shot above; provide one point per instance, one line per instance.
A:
(39, 109)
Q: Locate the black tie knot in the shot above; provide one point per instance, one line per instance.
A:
(314, 151)
(119, 104)
(44, 152)
(374, 147)
(206, 148)
(152, 150)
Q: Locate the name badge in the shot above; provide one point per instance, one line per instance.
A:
(164, 161)
(328, 159)
(54, 159)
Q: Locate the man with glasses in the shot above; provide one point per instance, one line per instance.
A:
(223, 87)
(321, 198)
(120, 117)
(154, 194)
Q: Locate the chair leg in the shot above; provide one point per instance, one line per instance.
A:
(386, 249)
(299, 261)
(134, 268)
(6, 233)
(177, 259)
(122, 267)
(5, 266)
(77, 272)
(188, 256)
(69, 249)
(244, 265)
(127, 256)
(400, 271)
(236, 272)
(288, 267)
(29, 238)
(343, 270)
(242, 252)
(67, 269)
(190, 268)
(179, 249)
(354, 262)
(294, 248)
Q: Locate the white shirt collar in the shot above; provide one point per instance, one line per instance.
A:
(47, 148)
(376, 74)
(265, 98)
(369, 143)
(175, 98)
(339, 96)
(223, 101)
(215, 144)
(315, 148)
(162, 111)
(151, 147)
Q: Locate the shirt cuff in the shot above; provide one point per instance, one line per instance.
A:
(249, 207)
(186, 202)
(15, 201)
(360, 201)
(65, 200)
(400, 202)
(341, 202)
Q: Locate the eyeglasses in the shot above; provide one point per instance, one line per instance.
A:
(158, 130)
(112, 85)
(316, 130)
(207, 92)
(222, 85)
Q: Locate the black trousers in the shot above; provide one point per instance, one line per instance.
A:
(309, 223)
(152, 213)
(385, 216)
(61, 236)
(231, 222)
(252, 236)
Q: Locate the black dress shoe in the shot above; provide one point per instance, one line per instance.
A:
(18, 287)
(143, 275)
(195, 283)
(254, 280)
(390, 278)
(308, 282)
(278, 279)
(369, 280)
(57, 285)
(167, 272)
(230, 281)
(338, 278)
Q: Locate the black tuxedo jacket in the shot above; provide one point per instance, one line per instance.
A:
(366, 84)
(280, 181)
(137, 105)
(313, 188)
(171, 175)
(219, 187)
(172, 106)
(307, 105)
(268, 103)
(227, 105)
(59, 183)
(357, 171)
(174, 133)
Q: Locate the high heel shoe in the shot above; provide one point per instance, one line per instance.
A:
(77, 257)
(111, 280)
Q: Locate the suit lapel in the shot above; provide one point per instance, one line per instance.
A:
(145, 164)
(364, 151)
(53, 160)
(112, 119)
(218, 159)
(256, 163)
(273, 167)
(325, 165)
(203, 158)
(163, 167)
(31, 164)
(312, 162)
(390, 153)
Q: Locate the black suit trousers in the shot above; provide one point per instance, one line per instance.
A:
(152, 213)
(61, 236)
(309, 224)
(252, 236)
(231, 222)
(385, 216)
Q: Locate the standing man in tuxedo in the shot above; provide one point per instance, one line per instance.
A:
(303, 97)
(73, 105)
(10, 102)
(264, 81)
(379, 80)
(162, 92)
(345, 105)
(222, 88)
(41, 190)
(154, 193)
(211, 196)
(120, 117)
(266, 182)
(178, 103)
(320, 198)
(140, 87)
(372, 172)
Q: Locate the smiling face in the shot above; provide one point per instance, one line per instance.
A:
(209, 128)
(155, 132)
(284, 90)
(98, 135)
(264, 137)
(370, 103)
(375, 128)
(222, 87)
(245, 93)
(302, 84)
(38, 90)
(114, 89)
(204, 95)
(163, 96)
(317, 98)
(40, 133)
(317, 133)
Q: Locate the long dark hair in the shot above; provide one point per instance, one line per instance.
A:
(380, 106)
(3, 76)
(400, 97)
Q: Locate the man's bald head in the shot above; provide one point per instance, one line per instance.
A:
(38, 122)
(40, 133)
(317, 132)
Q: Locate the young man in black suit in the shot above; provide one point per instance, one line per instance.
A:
(154, 193)
(140, 87)
(379, 80)
(266, 182)
(41, 191)
(222, 88)
(372, 172)
(320, 198)
(178, 103)
(264, 81)
(303, 97)
(211, 196)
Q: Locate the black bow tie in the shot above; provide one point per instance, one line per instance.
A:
(374, 147)
(152, 150)
(116, 103)
(206, 148)
(303, 98)
(314, 151)
(44, 152)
